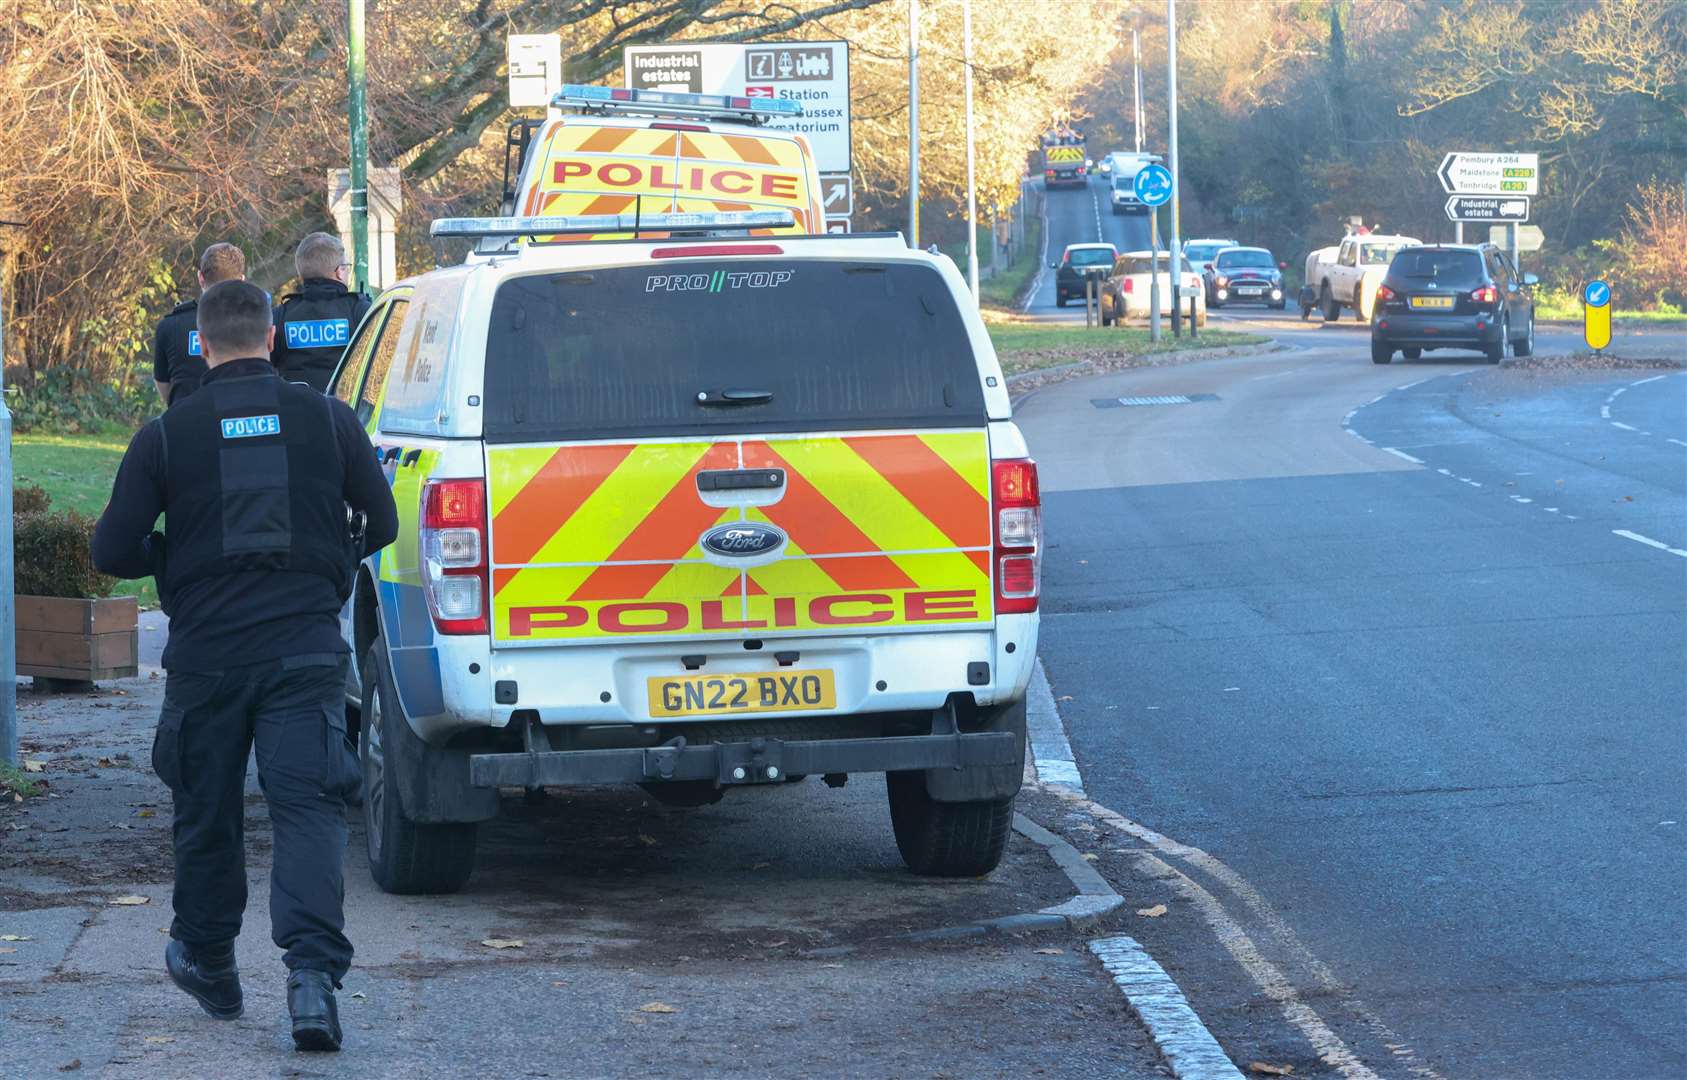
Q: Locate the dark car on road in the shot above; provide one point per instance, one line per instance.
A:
(1451, 296)
(1245, 275)
(1077, 262)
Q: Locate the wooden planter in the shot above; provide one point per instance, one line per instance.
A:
(78, 640)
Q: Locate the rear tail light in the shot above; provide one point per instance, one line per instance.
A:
(1019, 536)
(1485, 295)
(1384, 294)
(453, 542)
(1048, 172)
(1129, 285)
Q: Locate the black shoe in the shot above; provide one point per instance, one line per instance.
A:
(209, 975)
(316, 1018)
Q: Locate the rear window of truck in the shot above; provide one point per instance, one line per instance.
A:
(717, 347)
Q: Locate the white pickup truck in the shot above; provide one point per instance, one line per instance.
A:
(1350, 277)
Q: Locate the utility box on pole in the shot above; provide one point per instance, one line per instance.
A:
(385, 201)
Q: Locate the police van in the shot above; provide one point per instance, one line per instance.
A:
(693, 513)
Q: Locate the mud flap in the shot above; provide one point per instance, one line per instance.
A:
(984, 782)
(432, 782)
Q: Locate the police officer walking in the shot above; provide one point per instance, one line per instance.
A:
(254, 476)
(177, 365)
(313, 325)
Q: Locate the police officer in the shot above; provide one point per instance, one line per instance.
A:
(254, 476)
(177, 365)
(313, 325)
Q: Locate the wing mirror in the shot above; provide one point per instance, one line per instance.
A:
(1531, 279)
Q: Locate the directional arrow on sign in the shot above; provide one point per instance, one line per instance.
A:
(838, 193)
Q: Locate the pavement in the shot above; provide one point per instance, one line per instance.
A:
(1382, 665)
(773, 932)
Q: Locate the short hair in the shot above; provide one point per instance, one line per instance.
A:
(222, 262)
(319, 255)
(235, 317)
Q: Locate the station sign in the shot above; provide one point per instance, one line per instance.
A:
(1464, 173)
(1487, 208)
(815, 74)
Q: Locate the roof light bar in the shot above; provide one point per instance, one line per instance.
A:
(556, 225)
(756, 110)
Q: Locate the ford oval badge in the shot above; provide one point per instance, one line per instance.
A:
(743, 540)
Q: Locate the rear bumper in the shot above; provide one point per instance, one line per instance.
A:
(755, 761)
(1435, 331)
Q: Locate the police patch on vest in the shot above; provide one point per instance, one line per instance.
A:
(193, 343)
(250, 427)
(318, 333)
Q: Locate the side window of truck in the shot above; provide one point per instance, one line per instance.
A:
(1348, 253)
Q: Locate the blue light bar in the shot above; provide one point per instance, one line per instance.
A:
(755, 110)
(558, 225)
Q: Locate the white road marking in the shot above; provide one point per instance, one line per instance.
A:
(1472, 483)
(1550, 509)
(1402, 454)
(1409, 385)
(1643, 382)
(1445, 472)
(1649, 542)
(1042, 261)
(1617, 393)
(1050, 750)
(1625, 427)
(1520, 499)
(1188, 1047)
(1331, 1049)
(1605, 412)
(1677, 442)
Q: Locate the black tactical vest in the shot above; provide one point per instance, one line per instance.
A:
(312, 328)
(254, 481)
(179, 337)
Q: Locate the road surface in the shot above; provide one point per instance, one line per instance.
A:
(1397, 653)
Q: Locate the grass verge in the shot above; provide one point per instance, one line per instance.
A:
(15, 784)
(76, 472)
(1029, 346)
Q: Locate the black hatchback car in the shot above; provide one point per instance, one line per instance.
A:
(1447, 296)
(1245, 275)
(1078, 263)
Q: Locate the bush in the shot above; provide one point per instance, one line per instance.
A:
(30, 499)
(51, 556)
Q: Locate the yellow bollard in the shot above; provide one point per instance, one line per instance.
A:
(1596, 315)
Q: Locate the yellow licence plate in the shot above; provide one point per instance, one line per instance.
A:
(1433, 302)
(774, 691)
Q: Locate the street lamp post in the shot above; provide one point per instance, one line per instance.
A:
(1136, 85)
(8, 602)
(359, 145)
(914, 123)
(972, 193)
(1174, 262)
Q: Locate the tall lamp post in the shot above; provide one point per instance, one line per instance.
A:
(8, 602)
(359, 145)
(914, 123)
(972, 193)
(1174, 264)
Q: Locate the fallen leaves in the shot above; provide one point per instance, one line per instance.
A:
(657, 1007)
(651, 841)
(1090, 856)
(15, 937)
(1267, 1069)
(504, 943)
(34, 766)
(130, 901)
(1152, 912)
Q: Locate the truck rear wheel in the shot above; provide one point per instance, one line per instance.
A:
(937, 839)
(1332, 306)
(405, 857)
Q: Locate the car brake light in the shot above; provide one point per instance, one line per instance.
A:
(1048, 172)
(453, 542)
(1485, 295)
(1019, 536)
(1129, 285)
(692, 250)
(1384, 293)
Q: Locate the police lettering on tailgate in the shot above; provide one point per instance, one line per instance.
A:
(251, 427)
(318, 333)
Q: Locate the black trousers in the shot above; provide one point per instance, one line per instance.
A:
(293, 711)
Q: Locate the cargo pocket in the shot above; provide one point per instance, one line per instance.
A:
(182, 692)
(343, 772)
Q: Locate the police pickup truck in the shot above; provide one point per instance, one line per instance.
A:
(695, 513)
